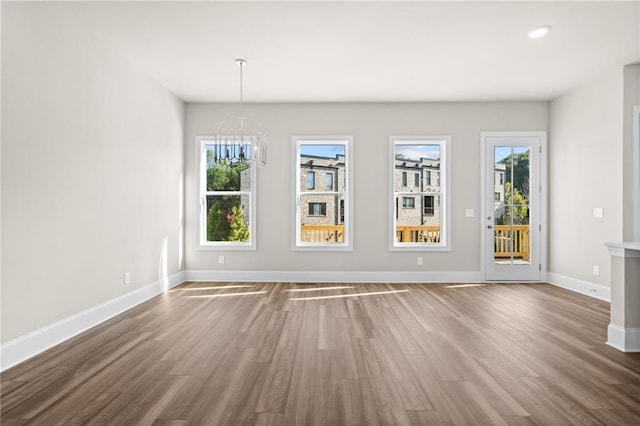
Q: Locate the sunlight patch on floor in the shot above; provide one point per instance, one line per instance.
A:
(320, 288)
(213, 288)
(464, 285)
(339, 296)
(213, 296)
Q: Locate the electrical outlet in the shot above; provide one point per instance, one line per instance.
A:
(598, 213)
(469, 213)
(221, 260)
(596, 270)
(419, 261)
(127, 277)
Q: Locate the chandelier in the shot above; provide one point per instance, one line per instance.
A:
(240, 139)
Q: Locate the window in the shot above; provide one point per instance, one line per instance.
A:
(496, 197)
(317, 209)
(416, 180)
(311, 180)
(428, 208)
(226, 199)
(426, 227)
(322, 210)
(408, 203)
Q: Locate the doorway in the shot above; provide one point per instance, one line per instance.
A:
(513, 196)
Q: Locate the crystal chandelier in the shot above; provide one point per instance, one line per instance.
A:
(240, 139)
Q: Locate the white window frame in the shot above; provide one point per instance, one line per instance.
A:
(445, 194)
(201, 210)
(347, 141)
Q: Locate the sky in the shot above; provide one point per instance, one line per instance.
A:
(416, 152)
(327, 151)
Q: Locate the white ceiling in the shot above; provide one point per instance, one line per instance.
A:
(366, 51)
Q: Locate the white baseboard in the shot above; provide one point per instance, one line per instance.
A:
(579, 286)
(22, 348)
(335, 276)
(623, 339)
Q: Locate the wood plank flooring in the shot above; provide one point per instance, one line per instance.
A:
(336, 354)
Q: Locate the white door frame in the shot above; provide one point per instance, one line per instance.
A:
(542, 257)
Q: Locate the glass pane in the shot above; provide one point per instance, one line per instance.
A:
(223, 175)
(322, 218)
(521, 161)
(228, 218)
(319, 165)
(417, 168)
(511, 205)
(231, 149)
(417, 218)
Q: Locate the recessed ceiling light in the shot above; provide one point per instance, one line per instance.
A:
(539, 32)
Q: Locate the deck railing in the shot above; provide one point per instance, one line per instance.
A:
(418, 234)
(503, 241)
(504, 245)
(322, 233)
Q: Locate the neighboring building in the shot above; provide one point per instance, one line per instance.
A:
(421, 177)
(322, 175)
(498, 188)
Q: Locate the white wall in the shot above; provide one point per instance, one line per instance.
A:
(91, 171)
(371, 125)
(585, 172)
(631, 99)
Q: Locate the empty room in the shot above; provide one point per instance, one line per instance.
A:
(329, 212)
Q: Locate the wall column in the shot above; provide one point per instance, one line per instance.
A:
(624, 328)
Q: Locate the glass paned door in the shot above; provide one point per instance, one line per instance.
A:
(512, 228)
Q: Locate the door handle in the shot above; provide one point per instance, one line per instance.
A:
(489, 226)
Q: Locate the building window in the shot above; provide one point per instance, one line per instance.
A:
(427, 227)
(226, 199)
(311, 180)
(408, 203)
(317, 209)
(322, 212)
(496, 197)
(416, 180)
(428, 205)
(329, 178)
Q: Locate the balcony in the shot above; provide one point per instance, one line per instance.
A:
(322, 233)
(504, 246)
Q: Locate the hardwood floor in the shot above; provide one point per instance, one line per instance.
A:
(286, 354)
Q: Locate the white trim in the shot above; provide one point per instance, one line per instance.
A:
(444, 141)
(24, 347)
(335, 276)
(539, 258)
(636, 173)
(201, 214)
(623, 339)
(587, 288)
(347, 141)
(628, 250)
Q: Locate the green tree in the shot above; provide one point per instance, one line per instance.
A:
(218, 227)
(224, 177)
(239, 228)
(515, 205)
(225, 221)
(520, 177)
